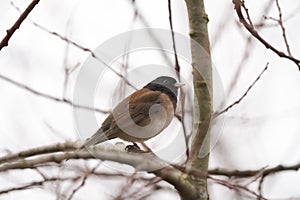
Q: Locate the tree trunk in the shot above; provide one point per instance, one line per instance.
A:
(199, 151)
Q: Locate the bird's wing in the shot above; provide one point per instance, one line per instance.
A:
(135, 108)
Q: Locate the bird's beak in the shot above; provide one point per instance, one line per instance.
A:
(179, 85)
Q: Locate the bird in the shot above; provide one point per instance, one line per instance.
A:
(142, 115)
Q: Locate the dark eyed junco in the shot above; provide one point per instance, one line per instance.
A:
(142, 115)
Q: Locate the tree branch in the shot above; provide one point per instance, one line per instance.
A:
(17, 24)
(280, 22)
(237, 187)
(60, 147)
(79, 46)
(50, 97)
(177, 69)
(38, 183)
(243, 96)
(58, 153)
(238, 4)
(83, 181)
(249, 173)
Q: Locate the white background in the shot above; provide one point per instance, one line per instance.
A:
(261, 131)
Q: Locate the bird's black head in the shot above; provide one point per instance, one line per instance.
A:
(166, 85)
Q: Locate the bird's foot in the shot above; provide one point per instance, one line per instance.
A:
(134, 149)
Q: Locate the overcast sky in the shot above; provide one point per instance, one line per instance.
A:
(261, 131)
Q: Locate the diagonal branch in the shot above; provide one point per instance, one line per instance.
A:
(79, 46)
(17, 24)
(47, 96)
(237, 187)
(243, 96)
(238, 4)
(280, 22)
(83, 181)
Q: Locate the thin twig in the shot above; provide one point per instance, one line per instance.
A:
(287, 17)
(244, 58)
(236, 187)
(246, 54)
(280, 22)
(38, 183)
(67, 73)
(87, 50)
(260, 184)
(247, 13)
(177, 69)
(151, 182)
(130, 181)
(48, 96)
(248, 173)
(149, 30)
(84, 179)
(17, 24)
(56, 132)
(69, 41)
(243, 96)
(252, 31)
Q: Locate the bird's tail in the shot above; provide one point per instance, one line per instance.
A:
(98, 137)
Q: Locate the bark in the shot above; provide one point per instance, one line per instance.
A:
(199, 159)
